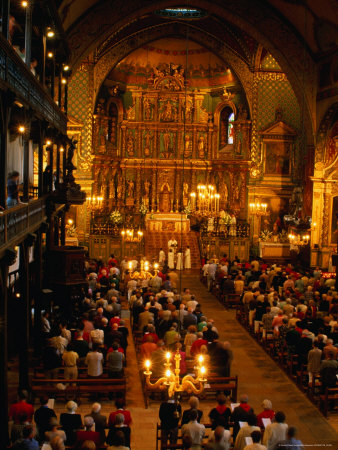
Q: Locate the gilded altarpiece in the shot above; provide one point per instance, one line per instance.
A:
(155, 150)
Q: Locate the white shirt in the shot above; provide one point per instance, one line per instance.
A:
(274, 433)
(94, 361)
(205, 269)
(45, 325)
(97, 336)
(196, 431)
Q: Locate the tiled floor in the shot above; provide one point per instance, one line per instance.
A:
(259, 377)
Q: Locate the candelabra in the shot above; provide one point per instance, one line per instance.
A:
(128, 235)
(298, 240)
(206, 201)
(94, 202)
(258, 209)
(171, 379)
(144, 272)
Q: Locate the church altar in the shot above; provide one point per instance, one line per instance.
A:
(169, 222)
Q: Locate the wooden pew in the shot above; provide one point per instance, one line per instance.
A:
(81, 388)
(331, 395)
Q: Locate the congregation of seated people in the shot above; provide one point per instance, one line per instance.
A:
(296, 309)
(95, 337)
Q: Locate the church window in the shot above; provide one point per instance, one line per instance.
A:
(181, 13)
(226, 127)
(231, 128)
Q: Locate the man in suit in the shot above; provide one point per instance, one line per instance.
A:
(100, 421)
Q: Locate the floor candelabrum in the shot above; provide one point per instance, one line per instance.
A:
(171, 379)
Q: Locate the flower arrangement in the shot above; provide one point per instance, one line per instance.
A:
(70, 230)
(225, 220)
(265, 235)
(283, 237)
(116, 217)
(143, 209)
(188, 209)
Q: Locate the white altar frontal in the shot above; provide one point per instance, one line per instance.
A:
(168, 222)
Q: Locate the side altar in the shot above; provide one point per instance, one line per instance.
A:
(168, 222)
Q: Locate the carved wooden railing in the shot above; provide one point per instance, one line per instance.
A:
(18, 77)
(19, 220)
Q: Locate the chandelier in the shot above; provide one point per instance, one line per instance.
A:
(171, 379)
(206, 201)
(144, 272)
(258, 209)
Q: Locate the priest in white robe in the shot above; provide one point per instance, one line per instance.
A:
(172, 243)
(187, 258)
(171, 259)
(161, 256)
(179, 262)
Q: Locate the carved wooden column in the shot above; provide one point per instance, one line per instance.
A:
(5, 262)
(325, 250)
(138, 188)
(24, 315)
(326, 220)
(153, 190)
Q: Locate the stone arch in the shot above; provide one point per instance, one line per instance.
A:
(264, 24)
(214, 45)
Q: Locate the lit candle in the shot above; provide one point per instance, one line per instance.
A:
(147, 364)
(168, 356)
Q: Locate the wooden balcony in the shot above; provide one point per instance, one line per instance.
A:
(16, 76)
(18, 221)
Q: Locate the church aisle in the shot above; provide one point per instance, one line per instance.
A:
(259, 376)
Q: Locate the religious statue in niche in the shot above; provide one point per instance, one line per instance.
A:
(167, 144)
(147, 109)
(187, 110)
(147, 142)
(277, 157)
(201, 146)
(187, 146)
(224, 193)
(168, 111)
(146, 197)
(130, 143)
(130, 188)
(185, 194)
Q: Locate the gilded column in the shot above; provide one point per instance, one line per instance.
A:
(326, 220)
(138, 187)
(153, 190)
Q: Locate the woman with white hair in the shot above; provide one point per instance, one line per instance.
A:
(70, 422)
(119, 426)
(100, 421)
(267, 413)
(88, 434)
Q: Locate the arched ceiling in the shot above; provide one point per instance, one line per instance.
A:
(295, 32)
(308, 17)
(203, 68)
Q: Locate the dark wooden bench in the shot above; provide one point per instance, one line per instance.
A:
(330, 396)
(81, 388)
(178, 445)
(232, 300)
(82, 372)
